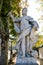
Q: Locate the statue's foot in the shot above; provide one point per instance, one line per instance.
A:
(23, 56)
(28, 55)
(19, 56)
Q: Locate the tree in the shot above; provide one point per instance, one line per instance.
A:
(5, 7)
(4, 30)
(16, 12)
(38, 44)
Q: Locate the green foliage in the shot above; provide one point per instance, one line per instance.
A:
(16, 12)
(11, 28)
(4, 30)
(5, 7)
(15, 7)
(39, 43)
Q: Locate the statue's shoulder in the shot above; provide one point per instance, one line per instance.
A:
(29, 17)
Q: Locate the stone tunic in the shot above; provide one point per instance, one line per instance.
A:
(25, 23)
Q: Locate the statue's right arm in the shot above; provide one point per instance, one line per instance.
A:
(16, 20)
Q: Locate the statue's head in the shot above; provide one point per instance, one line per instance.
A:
(24, 11)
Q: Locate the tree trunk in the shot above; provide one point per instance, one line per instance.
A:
(4, 31)
(4, 43)
(4, 52)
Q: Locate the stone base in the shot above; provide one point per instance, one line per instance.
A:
(26, 64)
(26, 61)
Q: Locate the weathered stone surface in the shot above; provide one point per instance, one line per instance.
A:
(27, 23)
(26, 61)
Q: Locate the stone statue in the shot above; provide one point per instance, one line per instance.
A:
(26, 25)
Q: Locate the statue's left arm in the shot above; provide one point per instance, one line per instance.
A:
(33, 23)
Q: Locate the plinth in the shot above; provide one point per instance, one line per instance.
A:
(26, 61)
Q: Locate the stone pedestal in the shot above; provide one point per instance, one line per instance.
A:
(26, 61)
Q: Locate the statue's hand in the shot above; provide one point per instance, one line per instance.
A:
(12, 17)
(34, 28)
(10, 13)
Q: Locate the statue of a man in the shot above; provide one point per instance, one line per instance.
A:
(27, 23)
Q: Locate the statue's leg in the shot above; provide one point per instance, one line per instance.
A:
(28, 50)
(23, 46)
(28, 44)
(28, 39)
(20, 49)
